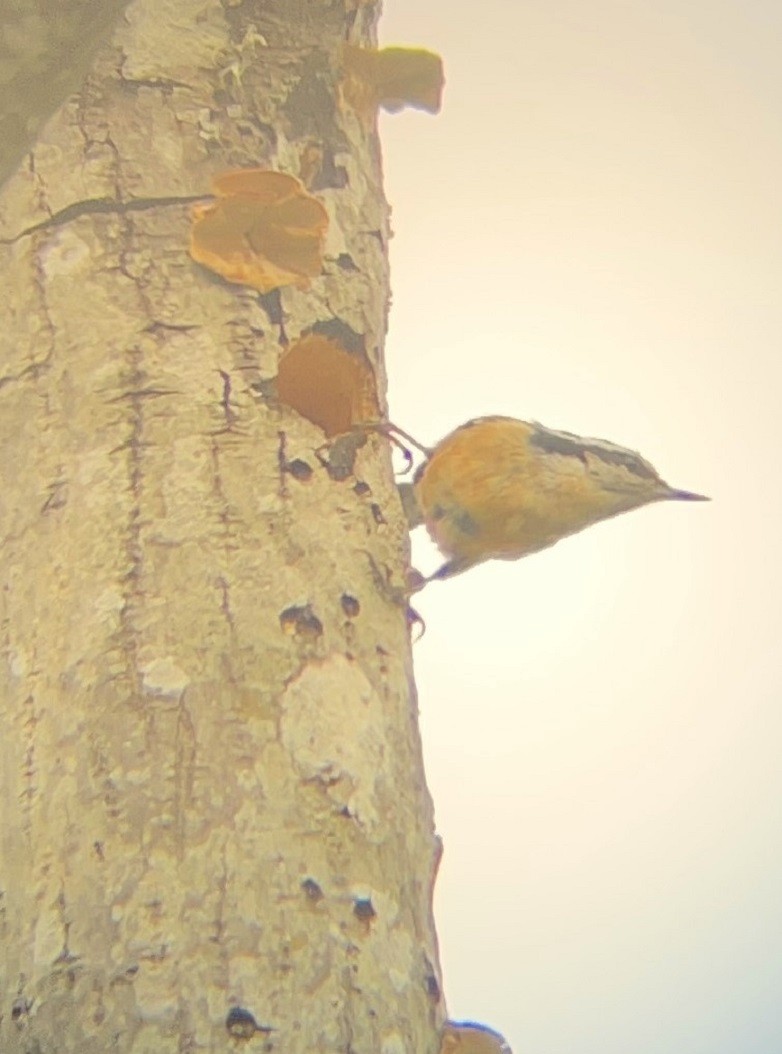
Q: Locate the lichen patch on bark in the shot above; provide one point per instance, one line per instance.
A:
(332, 725)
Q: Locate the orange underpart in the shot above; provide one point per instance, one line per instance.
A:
(392, 78)
(331, 387)
(263, 230)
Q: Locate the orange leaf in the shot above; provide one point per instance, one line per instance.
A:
(263, 230)
(392, 78)
(330, 386)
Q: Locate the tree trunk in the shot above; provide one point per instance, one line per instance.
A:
(46, 47)
(214, 813)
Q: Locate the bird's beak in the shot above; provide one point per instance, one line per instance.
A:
(685, 495)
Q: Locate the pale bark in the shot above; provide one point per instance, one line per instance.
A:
(211, 787)
(46, 47)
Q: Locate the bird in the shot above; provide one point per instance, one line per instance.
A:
(497, 488)
(469, 1037)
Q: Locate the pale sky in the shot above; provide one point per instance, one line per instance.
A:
(590, 235)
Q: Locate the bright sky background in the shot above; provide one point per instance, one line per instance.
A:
(590, 235)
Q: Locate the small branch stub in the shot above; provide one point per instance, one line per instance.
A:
(241, 1024)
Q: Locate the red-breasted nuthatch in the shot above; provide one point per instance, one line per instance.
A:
(498, 489)
(468, 1037)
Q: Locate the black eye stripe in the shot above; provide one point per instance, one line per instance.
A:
(571, 446)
